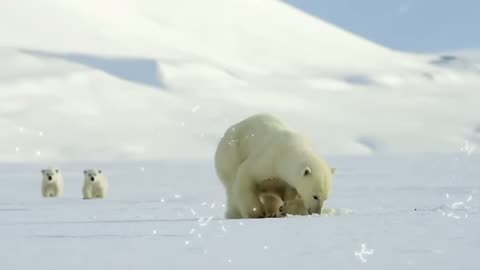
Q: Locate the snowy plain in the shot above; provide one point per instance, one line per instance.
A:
(410, 212)
(144, 91)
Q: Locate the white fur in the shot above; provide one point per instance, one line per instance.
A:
(96, 189)
(263, 147)
(52, 183)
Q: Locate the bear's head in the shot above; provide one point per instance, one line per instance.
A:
(50, 174)
(312, 178)
(92, 175)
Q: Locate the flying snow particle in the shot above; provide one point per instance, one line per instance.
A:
(142, 169)
(360, 254)
(38, 153)
(468, 148)
(457, 204)
(21, 129)
(17, 149)
(229, 260)
(212, 205)
(162, 200)
(40, 133)
(199, 235)
(204, 222)
(177, 196)
(469, 198)
(187, 242)
(265, 247)
(204, 203)
(195, 108)
(193, 212)
(224, 229)
(192, 231)
(154, 232)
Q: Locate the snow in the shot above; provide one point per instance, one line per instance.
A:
(144, 91)
(399, 213)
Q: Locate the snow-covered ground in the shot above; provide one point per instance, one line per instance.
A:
(145, 89)
(411, 211)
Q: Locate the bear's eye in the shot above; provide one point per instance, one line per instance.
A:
(315, 197)
(307, 172)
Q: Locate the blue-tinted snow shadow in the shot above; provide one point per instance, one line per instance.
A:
(138, 70)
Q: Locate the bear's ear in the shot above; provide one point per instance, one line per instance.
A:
(333, 170)
(56, 170)
(99, 171)
(43, 171)
(307, 171)
(85, 172)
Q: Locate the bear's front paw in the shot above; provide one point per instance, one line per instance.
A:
(282, 212)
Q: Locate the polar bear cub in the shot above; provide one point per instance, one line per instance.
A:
(52, 183)
(272, 204)
(95, 184)
(279, 199)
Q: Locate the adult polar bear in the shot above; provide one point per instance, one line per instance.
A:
(262, 147)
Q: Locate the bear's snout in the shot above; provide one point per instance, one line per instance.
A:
(50, 178)
(92, 178)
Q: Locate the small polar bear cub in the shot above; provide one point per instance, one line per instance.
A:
(95, 185)
(52, 183)
(273, 204)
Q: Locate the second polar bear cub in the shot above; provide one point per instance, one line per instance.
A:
(52, 183)
(95, 184)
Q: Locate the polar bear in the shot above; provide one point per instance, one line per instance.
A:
(263, 147)
(95, 184)
(52, 183)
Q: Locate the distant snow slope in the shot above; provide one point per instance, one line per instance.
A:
(218, 61)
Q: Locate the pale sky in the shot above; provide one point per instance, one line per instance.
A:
(410, 25)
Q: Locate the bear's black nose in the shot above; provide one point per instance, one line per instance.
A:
(50, 178)
(92, 178)
(315, 197)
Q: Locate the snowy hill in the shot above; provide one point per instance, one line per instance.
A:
(216, 62)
